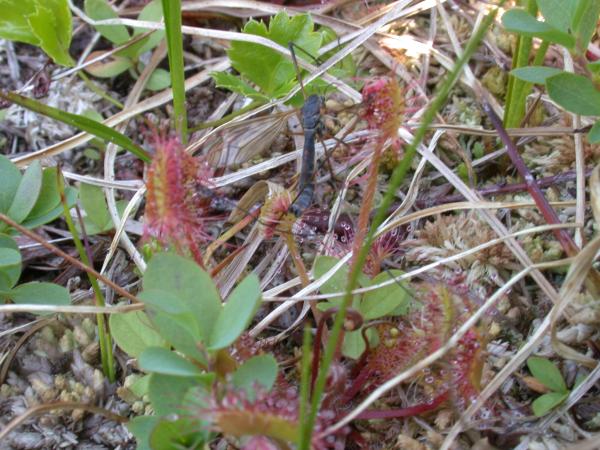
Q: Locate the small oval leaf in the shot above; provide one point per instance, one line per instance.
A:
(237, 313)
(10, 266)
(186, 280)
(108, 67)
(261, 369)
(544, 404)
(159, 80)
(100, 10)
(385, 300)
(27, 193)
(575, 93)
(10, 178)
(594, 134)
(535, 74)
(167, 392)
(133, 332)
(37, 293)
(547, 373)
(163, 361)
(521, 22)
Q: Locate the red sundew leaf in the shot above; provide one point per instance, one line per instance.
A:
(422, 332)
(271, 415)
(173, 215)
(410, 340)
(384, 105)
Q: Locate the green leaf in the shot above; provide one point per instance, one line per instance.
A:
(10, 178)
(37, 293)
(535, 74)
(575, 93)
(101, 10)
(544, 404)
(335, 284)
(141, 427)
(177, 435)
(594, 134)
(7, 242)
(159, 80)
(166, 302)
(547, 373)
(584, 22)
(44, 23)
(134, 333)
(267, 68)
(558, 13)
(49, 197)
(27, 193)
(78, 121)
(385, 300)
(174, 322)
(108, 67)
(10, 266)
(172, 12)
(521, 22)
(13, 21)
(152, 12)
(94, 204)
(261, 369)
(166, 392)
(141, 386)
(230, 82)
(354, 344)
(237, 313)
(345, 69)
(51, 23)
(185, 280)
(594, 67)
(166, 362)
(35, 221)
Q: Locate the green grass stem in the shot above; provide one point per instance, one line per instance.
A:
(104, 338)
(396, 179)
(172, 13)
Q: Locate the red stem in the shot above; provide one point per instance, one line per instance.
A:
(532, 187)
(411, 411)
(503, 189)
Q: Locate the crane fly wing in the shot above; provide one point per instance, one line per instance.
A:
(242, 141)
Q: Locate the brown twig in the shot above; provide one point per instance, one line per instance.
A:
(57, 405)
(497, 189)
(40, 240)
(533, 187)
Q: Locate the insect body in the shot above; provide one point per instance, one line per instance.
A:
(311, 122)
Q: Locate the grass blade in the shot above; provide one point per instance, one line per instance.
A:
(77, 121)
(172, 13)
(396, 179)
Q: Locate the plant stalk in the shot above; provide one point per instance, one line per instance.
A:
(104, 338)
(172, 14)
(397, 177)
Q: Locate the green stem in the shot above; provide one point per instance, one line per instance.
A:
(172, 13)
(518, 89)
(541, 53)
(92, 86)
(104, 338)
(396, 179)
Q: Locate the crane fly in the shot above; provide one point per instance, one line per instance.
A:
(311, 123)
(240, 141)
